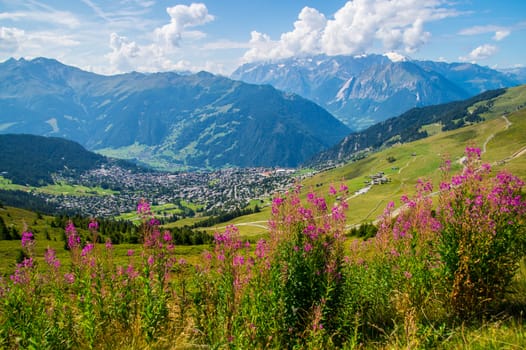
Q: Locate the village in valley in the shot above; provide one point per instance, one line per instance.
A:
(217, 191)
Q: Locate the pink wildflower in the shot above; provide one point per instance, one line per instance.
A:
(27, 239)
(93, 225)
(167, 236)
(69, 278)
(72, 235)
(238, 260)
(87, 249)
(261, 248)
(51, 258)
(108, 244)
(143, 207)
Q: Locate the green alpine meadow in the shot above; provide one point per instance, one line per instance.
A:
(252, 175)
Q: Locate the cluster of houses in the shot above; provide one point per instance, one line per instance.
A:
(221, 190)
(378, 179)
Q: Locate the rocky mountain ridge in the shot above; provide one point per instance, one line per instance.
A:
(364, 90)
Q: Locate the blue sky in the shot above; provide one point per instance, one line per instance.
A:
(111, 37)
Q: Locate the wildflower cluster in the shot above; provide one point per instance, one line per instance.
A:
(430, 261)
(483, 235)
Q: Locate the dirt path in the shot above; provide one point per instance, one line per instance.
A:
(490, 137)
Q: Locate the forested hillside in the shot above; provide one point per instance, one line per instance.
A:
(32, 160)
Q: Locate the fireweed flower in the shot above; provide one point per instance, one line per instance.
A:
(338, 214)
(167, 236)
(473, 152)
(238, 260)
(150, 260)
(108, 244)
(131, 272)
(154, 222)
(69, 278)
(22, 274)
(93, 225)
(27, 239)
(130, 252)
(332, 190)
(321, 204)
(87, 249)
(72, 235)
(261, 249)
(305, 213)
(311, 231)
(51, 258)
(276, 203)
(143, 208)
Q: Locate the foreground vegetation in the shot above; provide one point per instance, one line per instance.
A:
(436, 275)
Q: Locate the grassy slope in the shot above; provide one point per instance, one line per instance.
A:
(421, 159)
(408, 168)
(57, 189)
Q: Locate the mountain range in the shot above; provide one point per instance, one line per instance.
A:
(193, 121)
(199, 121)
(364, 90)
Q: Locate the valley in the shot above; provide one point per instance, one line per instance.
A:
(110, 190)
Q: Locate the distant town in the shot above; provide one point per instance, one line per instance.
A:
(217, 191)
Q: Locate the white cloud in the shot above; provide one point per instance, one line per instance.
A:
(357, 27)
(52, 17)
(182, 17)
(501, 34)
(9, 39)
(160, 54)
(480, 53)
(96, 9)
(259, 44)
(17, 42)
(123, 53)
(308, 29)
(142, 3)
(225, 45)
(304, 39)
(476, 30)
